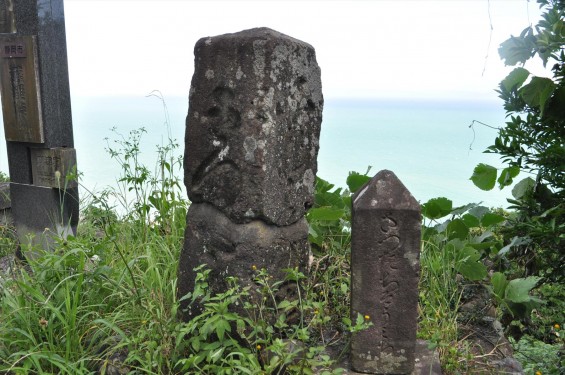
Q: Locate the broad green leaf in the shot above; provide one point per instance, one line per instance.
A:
(347, 201)
(211, 346)
(483, 245)
(214, 356)
(484, 176)
(523, 310)
(314, 237)
(436, 208)
(312, 231)
(507, 175)
(221, 327)
(556, 106)
(428, 232)
(515, 79)
(517, 50)
(516, 241)
(518, 289)
(323, 185)
(522, 187)
(486, 234)
(491, 219)
(537, 92)
(473, 271)
(469, 265)
(457, 229)
(356, 180)
(455, 246)
(479, 211)
(195, 343)
(283, 304)
(471, 221)
(441, 227)
(462, 209)
(333, 198)
(325, 213)
(499, 283)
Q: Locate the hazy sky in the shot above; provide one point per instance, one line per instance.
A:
(366, 48)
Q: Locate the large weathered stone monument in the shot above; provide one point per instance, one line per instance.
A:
(36, 110)
(385, 267)
(252, 139)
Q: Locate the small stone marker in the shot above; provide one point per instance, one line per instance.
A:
(385, 267)
(252, 139)
(36, 110)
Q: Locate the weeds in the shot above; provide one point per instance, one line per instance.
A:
(106, 298)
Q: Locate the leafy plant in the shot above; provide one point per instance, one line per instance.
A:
(532, 141)
(458, 244)
(8, 240)
(157, 196)
(545, 321)
(515, 294)
(538, 357)
(262, 339)
(49, 309)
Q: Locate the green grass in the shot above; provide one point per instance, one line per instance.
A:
(111, 291)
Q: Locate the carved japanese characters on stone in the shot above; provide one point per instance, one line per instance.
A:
(384, 275)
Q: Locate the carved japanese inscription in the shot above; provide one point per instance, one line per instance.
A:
(51, 167)
(19, 82)
(385, 271)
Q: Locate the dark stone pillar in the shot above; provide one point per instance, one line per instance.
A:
(37, 117)
(252, 139)
(385, 267)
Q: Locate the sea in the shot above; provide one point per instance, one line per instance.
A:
(431, 145)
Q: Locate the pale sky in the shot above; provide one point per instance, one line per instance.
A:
(418, 48)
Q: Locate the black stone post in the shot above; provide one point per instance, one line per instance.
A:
(385, 269)
(36, 108)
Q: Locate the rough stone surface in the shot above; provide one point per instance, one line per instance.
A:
(253, 126)
(385, 269)
(38, 216)
(5, 195)
(19, 165)
(231, 249)
(426, 361)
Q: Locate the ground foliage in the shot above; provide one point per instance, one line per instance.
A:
(533, 142)
(106, 299)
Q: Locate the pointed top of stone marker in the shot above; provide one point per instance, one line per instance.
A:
(384, 191)
(255, 33)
